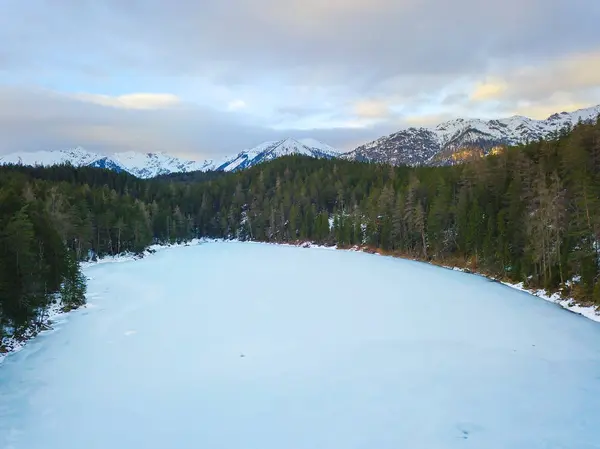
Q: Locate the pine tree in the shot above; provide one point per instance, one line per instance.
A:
(73, 289)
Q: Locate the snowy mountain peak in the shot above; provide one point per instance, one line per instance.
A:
(315, 144)
(142, 165)
(453, 140)
(151, 164)
(77, 157)
(271, 150)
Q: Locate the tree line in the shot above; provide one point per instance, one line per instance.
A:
(530, 213)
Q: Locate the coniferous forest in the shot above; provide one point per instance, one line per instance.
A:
(530, 213)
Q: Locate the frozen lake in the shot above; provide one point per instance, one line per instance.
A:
(243, 346)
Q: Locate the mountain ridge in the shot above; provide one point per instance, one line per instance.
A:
(270, 150)
(447, 143)
(142, 165)
(149, 165)
(443, 143)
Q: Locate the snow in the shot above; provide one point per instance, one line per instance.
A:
(232, 345)
(14, 345)
(417, 146)
(77, 157)
(55, 314)
(313, 143)
(590, 312)
(148, 165)
(271, 150)
(515, 129)
(142, 165)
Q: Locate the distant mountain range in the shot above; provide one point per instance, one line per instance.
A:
(142, 165)
(445, 144)
(149, 165)
(455, 140)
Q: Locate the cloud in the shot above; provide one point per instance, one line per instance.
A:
(426, 120)
(543, 111)
(36, 119)
(488, 91)
(574, 73)
(40, 119)
(346, 41)
(209, 77)
(538, 90)
(236, 105)
(132, 101)
(371, 109)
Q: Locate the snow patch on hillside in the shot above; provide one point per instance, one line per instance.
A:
(149, 165)
(438, 144)
(590, 312)
(77, 157)
(268, 151)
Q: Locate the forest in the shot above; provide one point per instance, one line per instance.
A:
(529, 213)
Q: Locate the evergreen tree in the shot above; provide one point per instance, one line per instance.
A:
(73, 289)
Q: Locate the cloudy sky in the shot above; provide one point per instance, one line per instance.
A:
(204, 78)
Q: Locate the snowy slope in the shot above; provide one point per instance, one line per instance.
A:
(446, 143)
(320, 146)
(413, 357)
(271, 150)
(77, 157)
(148, 165)
(142, 165)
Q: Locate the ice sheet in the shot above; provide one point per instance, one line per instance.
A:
(232, 345)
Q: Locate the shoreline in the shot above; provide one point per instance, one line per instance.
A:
(589, 312)
(55, 313)
(13, 344)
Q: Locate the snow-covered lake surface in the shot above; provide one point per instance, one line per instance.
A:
(241, 346)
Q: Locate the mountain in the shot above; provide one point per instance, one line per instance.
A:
(271, 150)
(142, 165)
(149, 165)
(445, 144)
(456, 140)
(77, 157)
